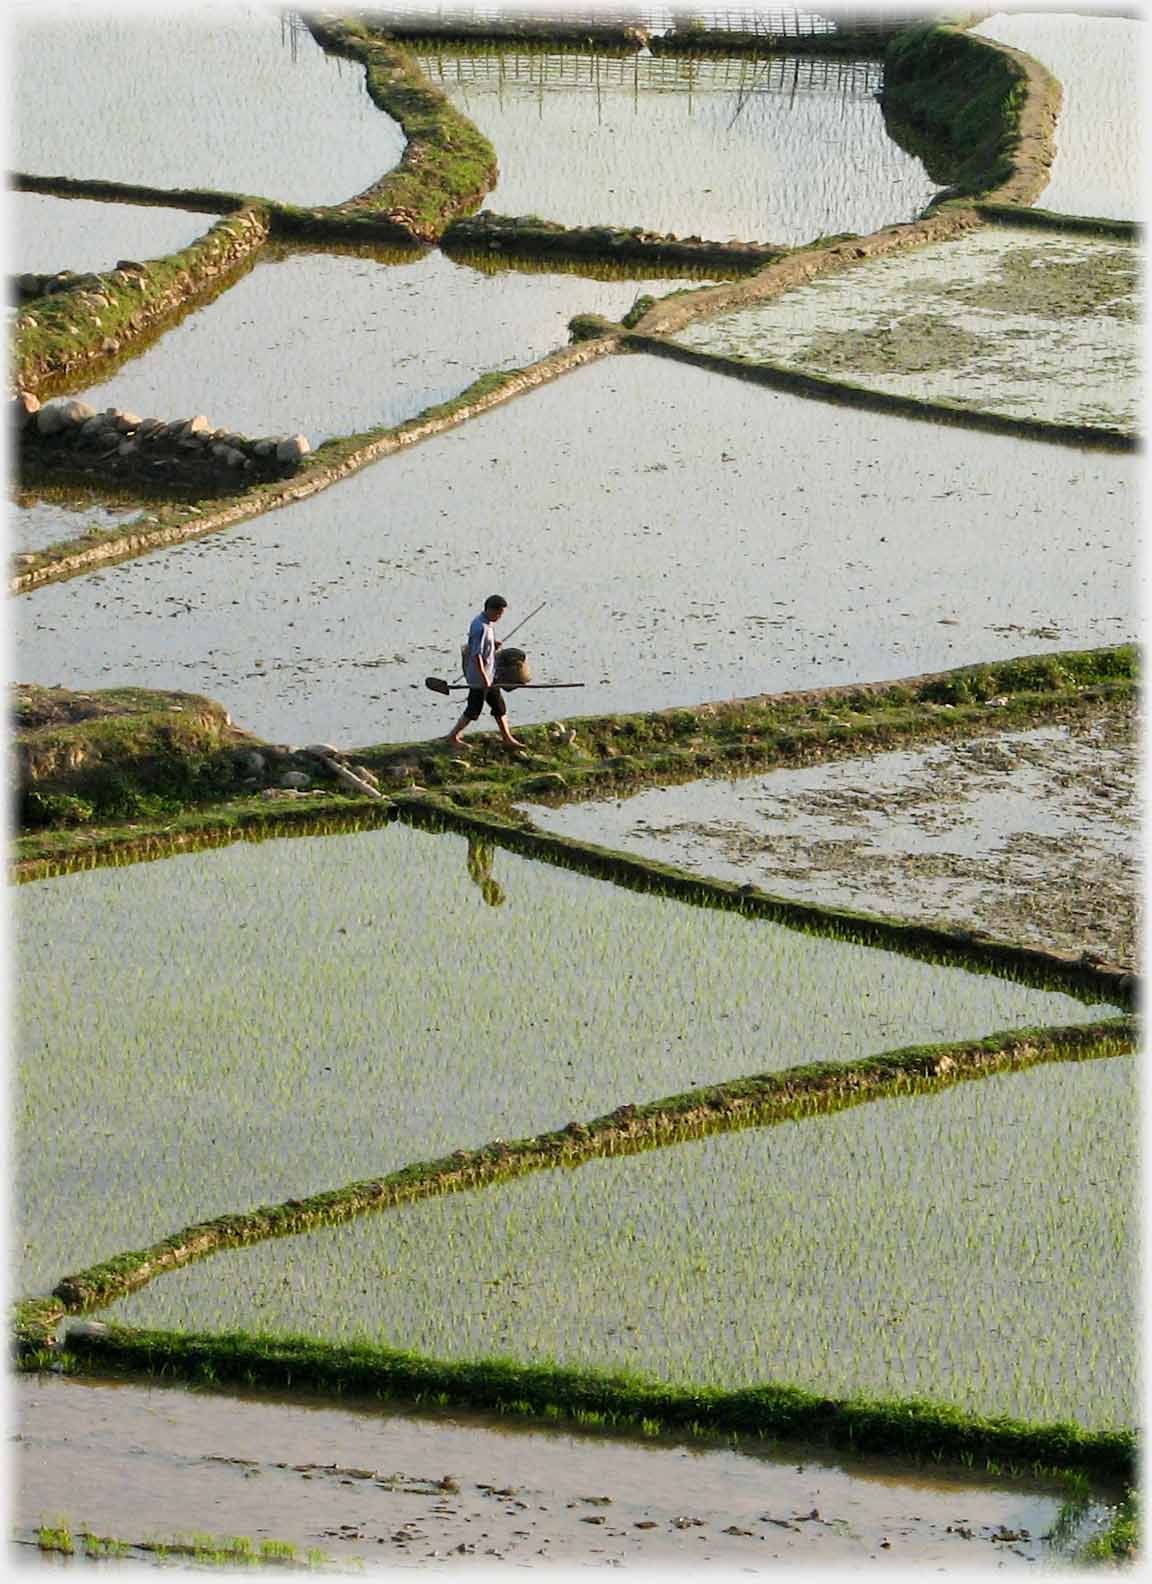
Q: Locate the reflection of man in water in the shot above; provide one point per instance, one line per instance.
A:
(480, 855)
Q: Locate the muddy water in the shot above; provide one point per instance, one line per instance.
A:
(229, 97)
(772, 150)
(696, 538)
(50, 234)
(138, 1462)
(1097, 59)
(36, 518)
(269, 1021)
(1030, 836)
(336, 343)
(1035, 325)
(905, 1248)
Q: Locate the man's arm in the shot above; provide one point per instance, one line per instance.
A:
(486, 670)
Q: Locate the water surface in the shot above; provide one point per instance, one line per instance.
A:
(241, 1026)
(947, 1247)
(50, 234)
(136, 1460)
(696, 538)
(230, 97)
(50, 514)
(335, 343)
(771, 150)
(1097, 60)
(1028, 836)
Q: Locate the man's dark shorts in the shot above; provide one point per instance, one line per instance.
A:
(478, 697)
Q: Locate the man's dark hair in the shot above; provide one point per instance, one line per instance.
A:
(495, 602)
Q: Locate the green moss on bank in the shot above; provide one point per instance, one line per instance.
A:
(448, 164)
(105, 314)
(590, 755)
(912, 1427)
(956, 100)
(86, 758)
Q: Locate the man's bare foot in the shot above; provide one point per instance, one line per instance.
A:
(457, 742)
(514, 742)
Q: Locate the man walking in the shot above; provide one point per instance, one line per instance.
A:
(480, 671)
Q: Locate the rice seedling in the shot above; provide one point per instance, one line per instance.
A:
(822, 1254)
(56, 1537)
(254, 1049)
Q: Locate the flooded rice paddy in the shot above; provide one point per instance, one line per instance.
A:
(1028, 836)
(235, 98)
(211, 1032)
(761, 150)
(363, 1483)
(917, 1247)
(1036, 325)
(36, 518)
(260, 1022)
(53, 234)
(1097, 59)
(697, 538)
(335, 343)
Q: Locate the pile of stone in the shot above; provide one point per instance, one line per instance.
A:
(31, 286)
(279, 771)
(185, 453)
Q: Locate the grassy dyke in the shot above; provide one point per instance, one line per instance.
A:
(531, 237)
(983, 113)
(58, 336)
(334, 460)
(1082, 976)
(847, 394)
(1052, 220)
(448, 164)
(209, 199)
(825, 255)
(1085, 976)
(910, 1427)
(616, 754)
(118, 753)
(758, 1101)
(492, 33)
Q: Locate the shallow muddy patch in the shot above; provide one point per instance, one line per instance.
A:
(337, 343)
(916, 1247)
(243, 101)
(50, 234)
(772, 150)
(261, 1022)
(1097, 61)
(728, 541)
(1029, 836)
(363, 1481)
(1036, 325)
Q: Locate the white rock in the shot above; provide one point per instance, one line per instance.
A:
(295, 780)
(293, 448)
(75, 412)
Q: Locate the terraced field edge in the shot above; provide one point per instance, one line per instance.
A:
(757, 1101)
